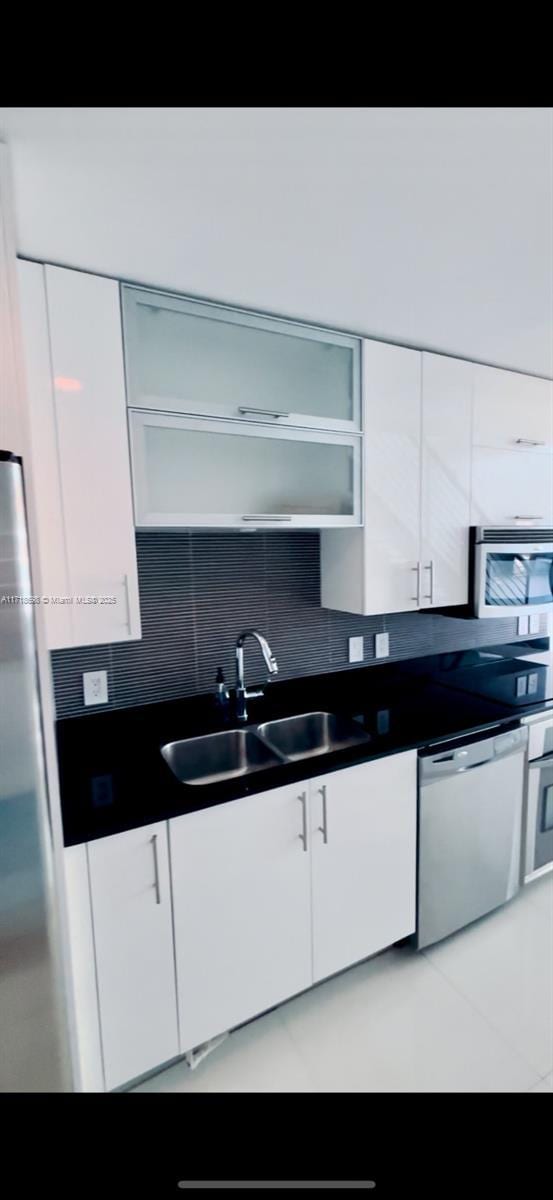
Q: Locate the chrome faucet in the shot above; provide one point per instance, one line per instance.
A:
(271, 663)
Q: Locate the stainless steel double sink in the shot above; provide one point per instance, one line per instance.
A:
(235, 752)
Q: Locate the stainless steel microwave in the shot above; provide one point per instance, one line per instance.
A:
(512, 570)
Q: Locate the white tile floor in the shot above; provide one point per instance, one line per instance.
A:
(473, 1014)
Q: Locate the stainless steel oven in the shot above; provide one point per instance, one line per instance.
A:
(512, 571)
(538, 842)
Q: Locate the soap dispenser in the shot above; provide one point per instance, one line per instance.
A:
(222, 695)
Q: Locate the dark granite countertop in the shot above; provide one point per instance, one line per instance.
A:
(113, 777)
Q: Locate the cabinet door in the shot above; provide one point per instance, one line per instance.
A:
(512, 411)
(131, 906)
(375, 569)
(205, 359)
(510, 484)
(83, 969)
(241, 893)
(54, 572)
(446, 479)
(219, 473)
(93, 455)
(363, 838)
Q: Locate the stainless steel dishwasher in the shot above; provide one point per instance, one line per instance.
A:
(470, 820)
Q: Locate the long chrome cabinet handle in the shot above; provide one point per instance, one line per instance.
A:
(264, 412)
(520, 517)
(303, 836)
(529, 442)
(156, 868)
(265, 518)
(127, 600)
(417, 598)
(324, 827)
(430, 595)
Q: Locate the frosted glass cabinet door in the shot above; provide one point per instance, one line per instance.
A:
(190, 472)
(205, 359)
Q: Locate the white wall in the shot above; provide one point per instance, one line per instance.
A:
(430, 227)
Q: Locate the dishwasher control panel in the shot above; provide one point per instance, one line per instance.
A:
(437, 764)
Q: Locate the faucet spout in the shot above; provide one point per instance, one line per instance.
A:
(270, 662)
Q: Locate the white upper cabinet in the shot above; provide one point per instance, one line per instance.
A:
(510, 488)
(54, 567)
(512, 472)
(75, 375)
(413, 550)
(208, 360)
(202, 472)
(447, 385)
(375, 569)
(512, 411)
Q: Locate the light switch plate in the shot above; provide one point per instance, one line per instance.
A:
(523, 626)
(95, 687)
(356, 649)
(381, 645)
(534, 623)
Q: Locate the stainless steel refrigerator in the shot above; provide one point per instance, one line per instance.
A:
(34, 1033)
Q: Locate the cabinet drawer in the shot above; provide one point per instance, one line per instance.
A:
(512, 411)
(205, 359)
(189, 472)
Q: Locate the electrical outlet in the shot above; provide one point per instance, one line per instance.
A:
(381, 645)
(523, 626)
(95, 687)
(534, 623)
(356, 649)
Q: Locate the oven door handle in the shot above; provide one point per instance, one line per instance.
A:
(542, 762)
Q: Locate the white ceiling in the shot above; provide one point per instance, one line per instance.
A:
(431, 227)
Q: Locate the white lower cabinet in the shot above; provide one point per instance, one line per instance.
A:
(133, 937)
(241, 891)
(363, 836)
(265, 906)
(270, 893)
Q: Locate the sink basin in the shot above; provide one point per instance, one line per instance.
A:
(310, 734)
(219, 756)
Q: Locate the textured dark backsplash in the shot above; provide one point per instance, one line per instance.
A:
(199, 590)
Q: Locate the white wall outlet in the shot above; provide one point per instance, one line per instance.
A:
(95, 687)
(356, 649)
(381, 645)
(523, 626)
(534, 623)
